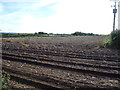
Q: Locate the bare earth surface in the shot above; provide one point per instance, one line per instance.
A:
(60, 62)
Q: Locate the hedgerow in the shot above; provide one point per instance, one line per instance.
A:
(113, 41)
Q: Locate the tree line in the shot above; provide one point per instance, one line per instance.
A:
(41, 34)
(75, 34)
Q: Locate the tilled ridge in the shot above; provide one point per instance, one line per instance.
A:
(64, 66)
(62, 59)
(108, 65)
(68, 54)
(31, 80)
(70, 78)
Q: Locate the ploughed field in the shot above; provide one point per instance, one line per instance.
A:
(60, 62)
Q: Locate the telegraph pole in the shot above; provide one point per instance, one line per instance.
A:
(118, 15)
(114, 12)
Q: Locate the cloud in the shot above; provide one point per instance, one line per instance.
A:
(18, 0)
(42, 3)
(1, 8)
(25, 17)
(61, 16)
(25, 9)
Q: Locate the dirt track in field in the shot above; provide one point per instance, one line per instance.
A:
(61, 62)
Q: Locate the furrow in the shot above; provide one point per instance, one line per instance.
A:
(42, 58)
(40, 82)
(106, 74)
(71, 55)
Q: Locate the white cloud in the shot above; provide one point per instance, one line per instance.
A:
(44, 3)
(18, 0)
(28, 24)
(71, 15)
(1, 8)
(87, 16)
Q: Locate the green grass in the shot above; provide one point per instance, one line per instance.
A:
(4, 80)
(106, 43)
(112, 42)
(115, 39)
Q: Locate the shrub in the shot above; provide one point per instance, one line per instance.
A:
(83, 34)
(115, 39)
(105, 43)
(5, 79)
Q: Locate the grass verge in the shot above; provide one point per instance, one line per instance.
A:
(4, 79)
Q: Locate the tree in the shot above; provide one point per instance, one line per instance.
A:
(41, 33)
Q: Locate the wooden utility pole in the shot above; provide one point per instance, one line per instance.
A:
(119, 15)
(114, 12)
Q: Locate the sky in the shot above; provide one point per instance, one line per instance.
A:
(56, 16)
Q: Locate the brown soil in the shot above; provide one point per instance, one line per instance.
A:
(66, 62)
